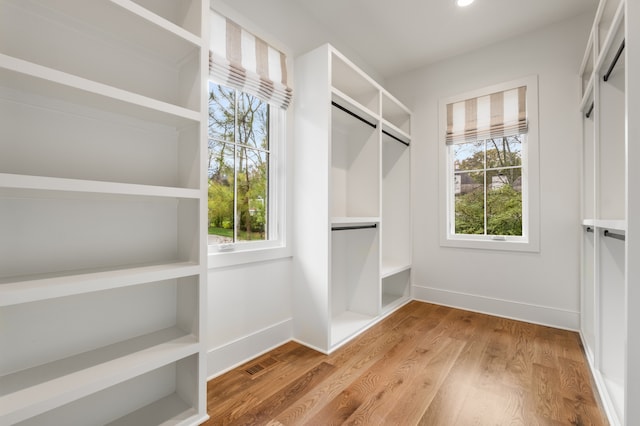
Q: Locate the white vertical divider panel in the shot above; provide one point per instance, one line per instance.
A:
(311, 220)
(632, 272)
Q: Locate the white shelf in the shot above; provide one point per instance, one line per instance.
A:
(170, 410)
(396, 114)
(160, 22)
(391, 268)
(395, 132)
(354, 106)
(611, 224)
(44, 183)
(18, 290)
(349, 80)
(36, 390)
(34, 78)
(608, 19)
(346, 324)
(121, 20)
(587, 97)
(346, 221)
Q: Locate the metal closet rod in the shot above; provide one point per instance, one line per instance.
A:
(394, 137)
(347, 228)
(589, 229)
(588, 114)
(353, 114)
(613, 235)
(615, 60)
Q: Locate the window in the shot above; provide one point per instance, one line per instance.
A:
(489, 158)
(241, 176)
(249, 96)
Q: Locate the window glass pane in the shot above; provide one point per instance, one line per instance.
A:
(252, 194)
(504, 152)
(253, 126)
(469, 203)
(221, 191)
(504, 202)
(469, 156)
(221, 112)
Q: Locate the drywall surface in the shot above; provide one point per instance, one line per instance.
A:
(249, 312)
(540, 287)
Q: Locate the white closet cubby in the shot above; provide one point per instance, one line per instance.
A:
(355, 156)
(605, 218)
(103, 207)
(352, 219)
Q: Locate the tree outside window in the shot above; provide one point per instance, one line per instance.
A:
(488, 186)
(238, 166)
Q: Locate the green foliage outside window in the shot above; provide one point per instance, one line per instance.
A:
(238, 165)
(488, 188)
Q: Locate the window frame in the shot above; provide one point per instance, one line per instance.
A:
(530, 239)
(254, 251)
(272, 249)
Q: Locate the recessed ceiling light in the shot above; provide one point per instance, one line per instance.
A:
(463, 3)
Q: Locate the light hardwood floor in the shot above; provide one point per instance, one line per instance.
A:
(423, 365)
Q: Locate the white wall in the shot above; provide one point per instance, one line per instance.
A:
(249, 304)
(538, 287)
(249, 312)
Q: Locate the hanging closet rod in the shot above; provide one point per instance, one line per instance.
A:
(589, 229)
(615, 60)
(588, 114)
(394, 137)
(353, 114)
(612, 235)
(346, 228)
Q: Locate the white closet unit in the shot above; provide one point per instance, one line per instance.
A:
(605, 327)
(102, 212)
(352, 217)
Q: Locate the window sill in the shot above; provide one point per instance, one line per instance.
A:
(483, 244)
(218, 259)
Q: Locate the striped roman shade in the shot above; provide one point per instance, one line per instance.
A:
(492, 116)
(240, 60)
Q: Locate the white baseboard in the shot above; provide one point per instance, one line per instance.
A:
(235, 353)
(543, 315)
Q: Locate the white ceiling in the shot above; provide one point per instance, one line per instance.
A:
(388, 38)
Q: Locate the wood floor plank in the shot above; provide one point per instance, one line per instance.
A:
(548, 401)
(423, 365)
(424, 384)
(449, 399)
(248, 391)
(270, 407)
(349, 368)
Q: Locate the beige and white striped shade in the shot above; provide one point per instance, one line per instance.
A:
(240, 60)
(492, 116)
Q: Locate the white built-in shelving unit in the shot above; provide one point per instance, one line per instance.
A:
(352, 219)
(606, 301)
(102, 212)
